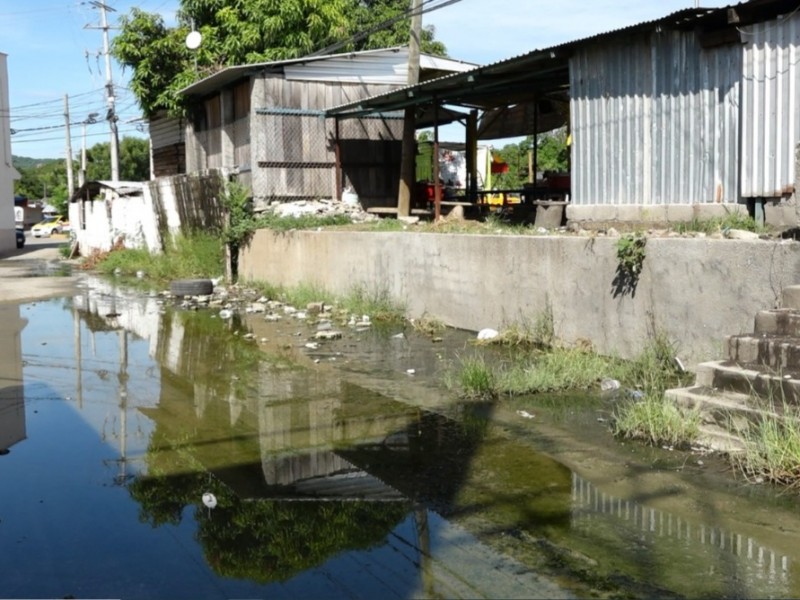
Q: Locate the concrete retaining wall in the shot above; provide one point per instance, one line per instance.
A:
(696, 291)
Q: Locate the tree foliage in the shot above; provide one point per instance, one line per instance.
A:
(552, 155)
(247, 31)
(134, 160)
(46, 180)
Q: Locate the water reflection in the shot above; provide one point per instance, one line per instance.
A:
(758, 569)
(12, 409)
(325, 487)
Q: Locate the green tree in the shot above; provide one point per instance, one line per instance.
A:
(134, 160)
(246, 31)
(368, 14)
(45, 181)
(552, 155)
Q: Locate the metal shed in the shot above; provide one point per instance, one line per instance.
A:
(696, 109)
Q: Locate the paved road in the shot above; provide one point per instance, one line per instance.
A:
(25, 272)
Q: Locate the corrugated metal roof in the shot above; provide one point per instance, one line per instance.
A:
(230, 75)
(122, 188)
(544, 70)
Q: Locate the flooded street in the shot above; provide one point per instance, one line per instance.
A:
(148, 451)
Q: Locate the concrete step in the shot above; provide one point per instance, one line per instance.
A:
(778, 353)
(790, 297)
(778, 321)
(750, 380)
(723, 415)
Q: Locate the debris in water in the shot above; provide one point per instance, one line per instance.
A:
(210, 500)
(488, 334)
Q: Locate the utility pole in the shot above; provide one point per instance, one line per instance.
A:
(111, 117)
(408, 161)
(70, 180)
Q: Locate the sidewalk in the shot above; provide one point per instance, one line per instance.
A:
(24, 275)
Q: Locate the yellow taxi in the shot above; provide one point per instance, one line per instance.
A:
(50, 226)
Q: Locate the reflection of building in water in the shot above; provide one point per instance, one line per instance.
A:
(12, 400)
(682, 539)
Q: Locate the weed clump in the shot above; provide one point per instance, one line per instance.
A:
(199, 254)
(771, 447)
(656, 421)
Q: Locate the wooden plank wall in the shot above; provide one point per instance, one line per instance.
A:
(167, 142)
(296, 152)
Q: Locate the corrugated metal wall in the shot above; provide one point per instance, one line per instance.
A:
(770, 101)
(655, 121)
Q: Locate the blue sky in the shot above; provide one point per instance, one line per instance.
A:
(54, 48)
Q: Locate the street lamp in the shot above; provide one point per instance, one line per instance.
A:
(89, 120)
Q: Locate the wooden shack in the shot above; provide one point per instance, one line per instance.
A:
(265, 122)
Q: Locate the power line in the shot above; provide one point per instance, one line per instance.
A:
(383, 25)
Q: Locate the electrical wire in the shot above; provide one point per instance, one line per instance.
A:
(383, 25)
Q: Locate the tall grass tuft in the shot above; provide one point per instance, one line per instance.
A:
(556, 370)
(197, 255)
(771, 448)
(539, 334)
(302, 295)
(475, 378)
(656, 421)
(377, 303)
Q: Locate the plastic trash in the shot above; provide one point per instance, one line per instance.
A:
(609, 385)
(349, 197)
(488, 334)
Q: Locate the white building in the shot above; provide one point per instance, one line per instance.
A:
(7, 171)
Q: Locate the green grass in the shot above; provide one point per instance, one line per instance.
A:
(360, 300)
(771, 445)
(554, 370)
(641, 411)
(656, 421)
(537, 334)
(282, 223)
(476, 379)
(375, 302)
(198, 255)
(733, 220)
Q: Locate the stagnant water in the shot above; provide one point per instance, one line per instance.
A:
(343, 470)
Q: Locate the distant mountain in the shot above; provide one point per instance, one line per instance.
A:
(25, 162)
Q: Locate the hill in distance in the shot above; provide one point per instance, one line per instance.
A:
(25, 162)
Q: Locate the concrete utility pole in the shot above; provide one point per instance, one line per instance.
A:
(70, 180)
(111, 117)
(408, 168)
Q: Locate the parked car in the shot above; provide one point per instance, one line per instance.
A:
(50, 226)
(20, 237)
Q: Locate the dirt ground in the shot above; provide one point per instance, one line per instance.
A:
(25, 274)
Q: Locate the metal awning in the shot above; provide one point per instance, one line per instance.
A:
(520, 84)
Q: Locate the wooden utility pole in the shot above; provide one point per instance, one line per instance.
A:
(408, 161)
(68, 150)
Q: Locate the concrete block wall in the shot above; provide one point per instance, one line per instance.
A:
(696, 291)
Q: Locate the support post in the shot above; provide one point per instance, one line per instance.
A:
(472, 156)
(409, 149)
(437, 184)
(337, 153)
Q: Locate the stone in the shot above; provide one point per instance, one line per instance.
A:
(315, 308)
(257, 307)
(328, 335)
